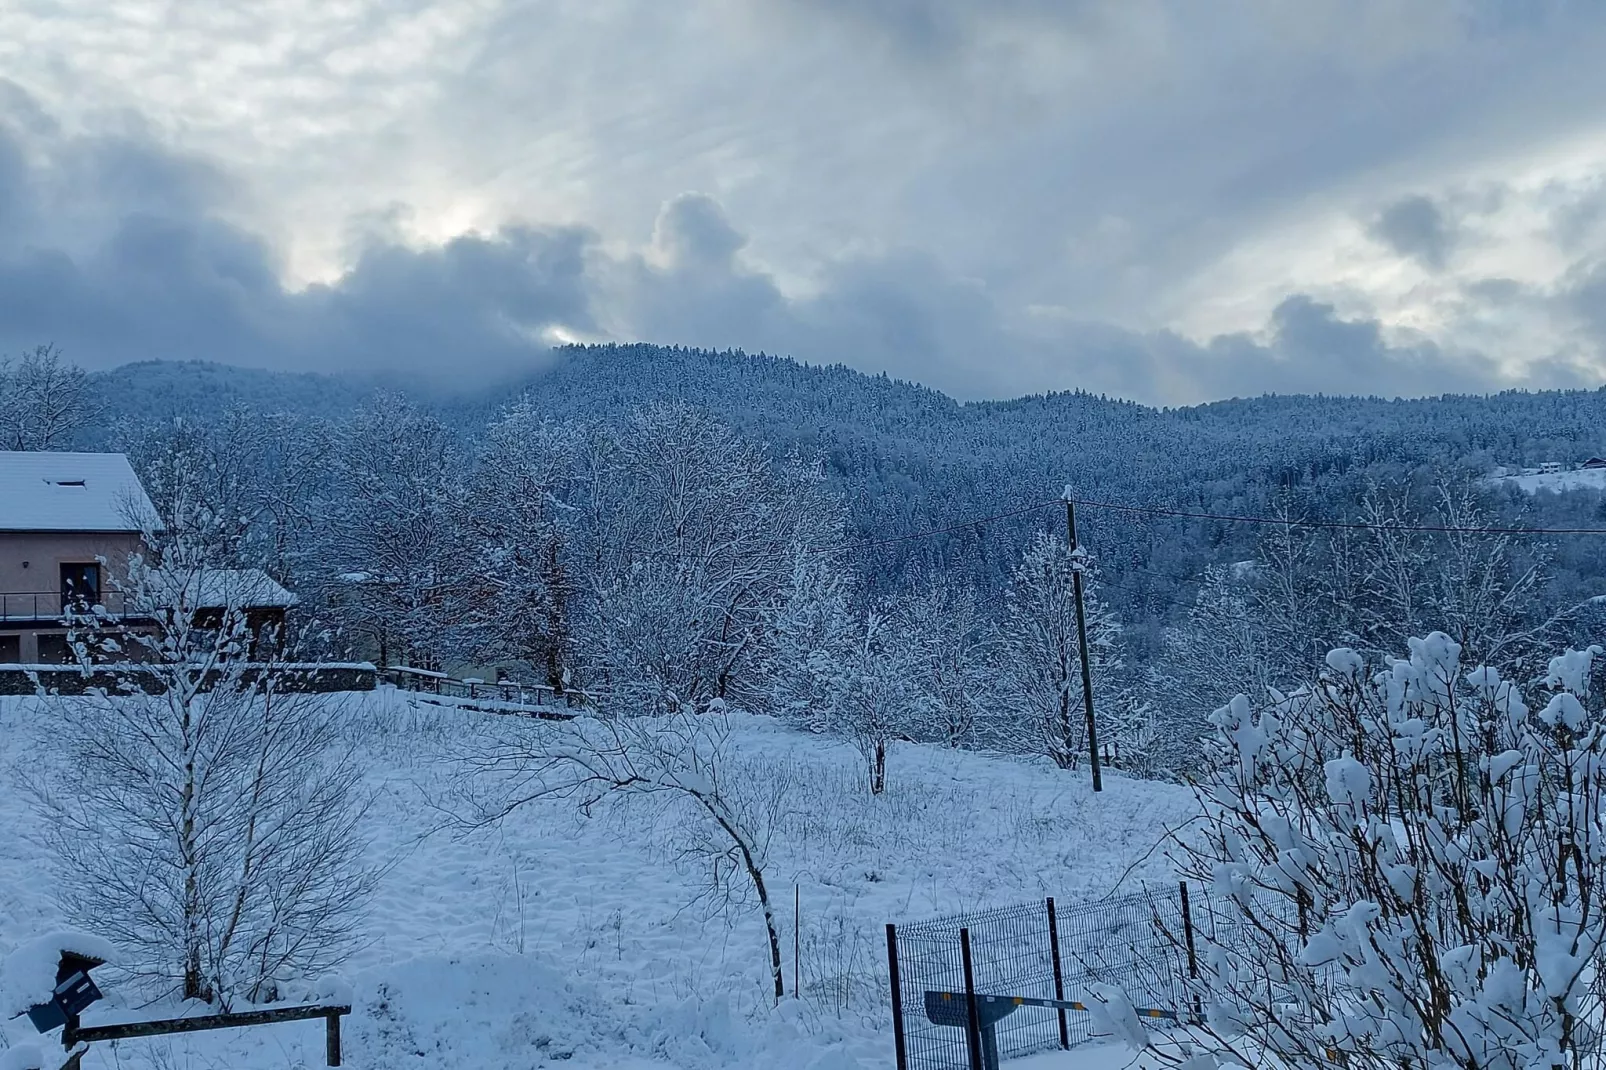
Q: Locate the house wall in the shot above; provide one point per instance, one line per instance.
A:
(30, 564)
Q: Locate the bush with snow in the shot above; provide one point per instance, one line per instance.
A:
(1415, 855)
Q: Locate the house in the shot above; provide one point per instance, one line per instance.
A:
(69, 523)
(1547, 468)
(1594, 462)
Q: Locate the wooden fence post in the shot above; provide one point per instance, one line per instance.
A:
(1187, 930)
(331, 1040)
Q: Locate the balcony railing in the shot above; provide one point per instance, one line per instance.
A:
(52, 605)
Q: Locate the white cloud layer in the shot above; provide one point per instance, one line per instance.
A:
(1159, 198)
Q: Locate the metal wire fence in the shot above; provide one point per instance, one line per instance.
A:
(1142, 944)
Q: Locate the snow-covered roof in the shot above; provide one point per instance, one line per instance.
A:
(242, 588)
(71, 492)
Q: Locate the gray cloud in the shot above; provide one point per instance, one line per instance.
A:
(1307, 348)
(119, 249)
(904, 314)
(1154, 163)
(141, 264)
(1584, 296)
(938, 29)
(693, 234)
(1416, 227)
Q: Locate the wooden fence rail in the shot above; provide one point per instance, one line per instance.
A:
(439, 683)
(74, 1034)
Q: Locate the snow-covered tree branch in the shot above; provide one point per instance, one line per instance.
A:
(1413, 855)
(204, 813)
(682, 758)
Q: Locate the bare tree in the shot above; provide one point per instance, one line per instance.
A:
(811, 630)
(873, 694)
(1419, 561)
(255, 473)
(683, 758)
(390, 538)
(950, 660)
(1480, 589)
(44, 402)
(1222, 649)
(684, 540)
(202, 810)
(513, 585)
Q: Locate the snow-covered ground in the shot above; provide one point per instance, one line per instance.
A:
(556, 939)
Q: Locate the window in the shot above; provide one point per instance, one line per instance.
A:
(53, 650)
(80, 585)
(10, 649)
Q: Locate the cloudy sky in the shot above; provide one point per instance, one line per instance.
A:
(1172, 200)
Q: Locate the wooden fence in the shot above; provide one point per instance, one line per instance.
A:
(438, 683)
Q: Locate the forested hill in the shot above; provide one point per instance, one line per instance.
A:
(908, 458)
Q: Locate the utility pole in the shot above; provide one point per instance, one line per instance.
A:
(1081, 642)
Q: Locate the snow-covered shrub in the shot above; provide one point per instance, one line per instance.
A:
(1415, 856)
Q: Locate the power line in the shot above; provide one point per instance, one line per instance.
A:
(961, 526)
(1155, 510)
(1187, 514)
(1184, 514)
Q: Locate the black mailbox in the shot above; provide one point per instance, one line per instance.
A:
(953, 1008)
(75, 990)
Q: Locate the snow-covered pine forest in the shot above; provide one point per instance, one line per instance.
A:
(825, 625)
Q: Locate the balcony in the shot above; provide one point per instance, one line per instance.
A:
(48, 606)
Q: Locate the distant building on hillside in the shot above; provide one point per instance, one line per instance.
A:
(1550, 467)
(1594, 462)
(69, 522)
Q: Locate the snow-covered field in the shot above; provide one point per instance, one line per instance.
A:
(1556, 482)
(556, 939)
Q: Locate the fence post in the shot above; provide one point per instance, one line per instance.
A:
(1187, 930)
(331, 1040)
(897, 997)
(973, 1013)
(1193, 958)
(1059, 975)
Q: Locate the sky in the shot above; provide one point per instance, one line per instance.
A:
(1166, 200)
